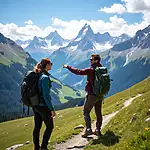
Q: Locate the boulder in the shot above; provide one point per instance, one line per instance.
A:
(79, 127)
(147, 120)
(14, 147)
(28, 142)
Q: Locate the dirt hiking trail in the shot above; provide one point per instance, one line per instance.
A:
(78, 143)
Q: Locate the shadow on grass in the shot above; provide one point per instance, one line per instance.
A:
(108, 139)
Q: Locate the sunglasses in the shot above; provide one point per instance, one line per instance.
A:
(91, 59)
(50, 63)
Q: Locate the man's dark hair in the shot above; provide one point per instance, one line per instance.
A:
(96, 57)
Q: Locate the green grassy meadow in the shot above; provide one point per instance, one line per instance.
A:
(118, 134)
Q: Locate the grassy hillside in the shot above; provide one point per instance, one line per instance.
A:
(64, 92)
(14, 63)
(122, 134)
(14, 132)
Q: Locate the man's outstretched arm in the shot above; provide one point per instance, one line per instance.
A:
(78, 71)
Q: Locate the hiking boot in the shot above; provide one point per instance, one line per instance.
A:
(97, 133)
(87, 133)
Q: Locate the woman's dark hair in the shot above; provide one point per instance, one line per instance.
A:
(40, 67)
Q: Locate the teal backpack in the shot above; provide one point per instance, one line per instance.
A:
(101, 81)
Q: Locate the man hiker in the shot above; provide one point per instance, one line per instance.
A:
(91, 99)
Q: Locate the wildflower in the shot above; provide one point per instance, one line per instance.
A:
(146, 129)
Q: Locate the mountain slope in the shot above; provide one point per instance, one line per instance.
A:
(140, 40)
(126, 66)
(23, 44)
(67, 119)
(14, 63)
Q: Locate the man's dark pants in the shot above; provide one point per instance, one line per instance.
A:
(42, 113)
(90, 102)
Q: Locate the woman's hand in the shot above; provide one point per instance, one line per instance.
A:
(53, 113)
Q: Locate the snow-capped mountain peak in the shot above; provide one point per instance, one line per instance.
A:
(55, 39)
(86, 39)
(53, 35)
(36, 43)
(85, 31)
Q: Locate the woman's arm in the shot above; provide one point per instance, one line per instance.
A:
(46, 93)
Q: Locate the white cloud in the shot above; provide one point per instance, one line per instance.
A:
(130, 6)
(115, 8)
(69, 29)
(137, 6)
(115, 26)
(146, 17)
(29, 22)
(25, 32)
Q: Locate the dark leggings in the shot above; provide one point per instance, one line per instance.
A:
(42, 113)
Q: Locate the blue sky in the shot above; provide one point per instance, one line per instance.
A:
(41, 12)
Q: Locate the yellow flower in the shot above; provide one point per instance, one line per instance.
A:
(146, 129)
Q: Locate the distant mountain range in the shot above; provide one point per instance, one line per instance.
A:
(140, 40)
(42, 47)
(128, 62)
(86, 39)
(14, 63)
(127, 58)
(81, 47)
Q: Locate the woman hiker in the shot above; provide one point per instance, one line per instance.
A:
(44, 112)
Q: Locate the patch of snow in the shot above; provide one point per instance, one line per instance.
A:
(24, 45)
(54, 47)
(48, 41)
(41, 40)
(65, 44)
(145, 34)
(84, 32)
(102, 47)
(78, 39)
(73, 48)
(128, 56)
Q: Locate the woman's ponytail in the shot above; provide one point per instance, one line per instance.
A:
(40, 67)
